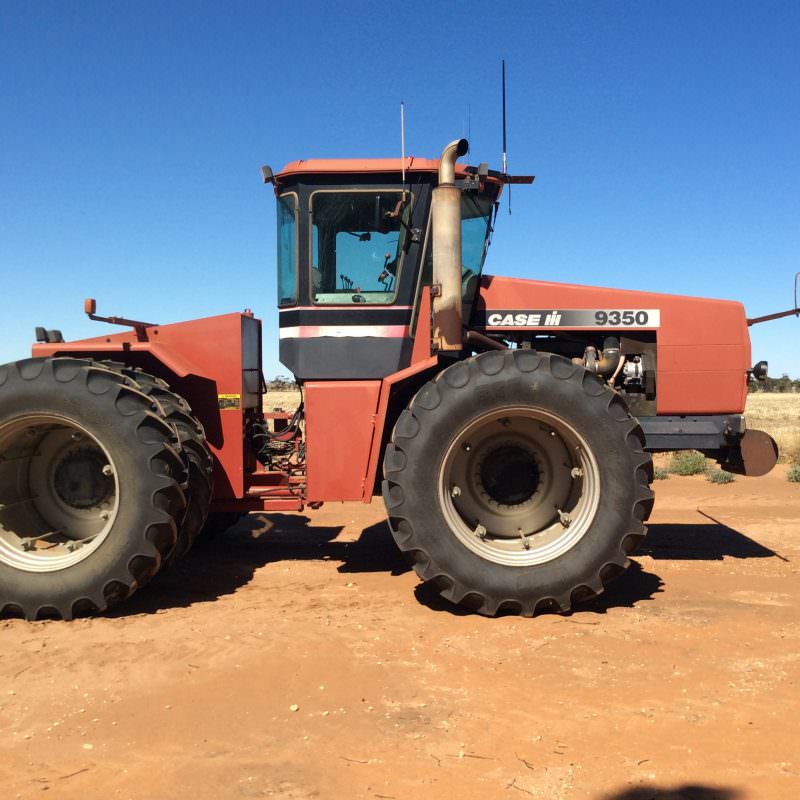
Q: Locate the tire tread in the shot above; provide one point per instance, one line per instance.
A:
(156, 540)
(458, 378)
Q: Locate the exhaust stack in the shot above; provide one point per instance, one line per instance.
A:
(446, 220)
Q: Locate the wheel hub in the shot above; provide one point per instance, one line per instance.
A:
(82, 479)
(509, 475)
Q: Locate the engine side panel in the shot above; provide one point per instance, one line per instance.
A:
(703, 346)
(340, 424)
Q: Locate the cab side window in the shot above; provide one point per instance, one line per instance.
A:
(287, 250)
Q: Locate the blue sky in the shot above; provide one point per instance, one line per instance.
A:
(665, 138)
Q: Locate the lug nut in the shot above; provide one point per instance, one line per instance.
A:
(525, 543)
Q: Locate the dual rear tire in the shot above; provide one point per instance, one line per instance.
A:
(105, 477)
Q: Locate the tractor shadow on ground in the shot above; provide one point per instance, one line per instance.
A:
(636, 586)
(226, 562)
(688, 791)
(711, 541)
(673, 542)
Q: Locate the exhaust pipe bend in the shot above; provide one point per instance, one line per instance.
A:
(446, 218)
(447, 163)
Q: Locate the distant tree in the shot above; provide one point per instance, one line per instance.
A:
(782, 385)
(281, 383)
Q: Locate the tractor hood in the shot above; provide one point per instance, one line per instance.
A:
(700, 342)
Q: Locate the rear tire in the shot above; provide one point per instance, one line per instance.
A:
(90, 495)
(194, 448)
(517, 481)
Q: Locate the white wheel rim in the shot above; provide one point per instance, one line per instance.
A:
(59, 493)
(519, 486)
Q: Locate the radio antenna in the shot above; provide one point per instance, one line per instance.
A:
(505, 151)
(505, 147)
(403, 145)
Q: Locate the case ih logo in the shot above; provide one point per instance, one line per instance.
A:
(572, 318)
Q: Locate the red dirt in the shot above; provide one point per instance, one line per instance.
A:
(681, 680)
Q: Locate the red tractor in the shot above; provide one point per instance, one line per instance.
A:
(509, 424)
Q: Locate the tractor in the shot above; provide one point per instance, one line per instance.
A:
(508, 424)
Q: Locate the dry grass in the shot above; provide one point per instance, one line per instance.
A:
(286, 401)
(779, 416)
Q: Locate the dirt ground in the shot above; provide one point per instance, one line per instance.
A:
(296, 657)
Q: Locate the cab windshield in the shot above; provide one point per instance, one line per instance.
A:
(476, 217)
(357, 244)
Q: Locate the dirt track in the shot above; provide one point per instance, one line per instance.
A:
(685, 675)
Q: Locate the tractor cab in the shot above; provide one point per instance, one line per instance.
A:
(355, 253)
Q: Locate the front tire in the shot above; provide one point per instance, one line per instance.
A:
(517, 481)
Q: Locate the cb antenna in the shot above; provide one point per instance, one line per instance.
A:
(505, 151)
(403, 145)
(505, 147)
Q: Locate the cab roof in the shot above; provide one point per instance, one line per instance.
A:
(364, 166)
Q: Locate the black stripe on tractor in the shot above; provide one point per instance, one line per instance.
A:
(358, 315)
(346, 358)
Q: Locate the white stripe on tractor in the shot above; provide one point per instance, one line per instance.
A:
(344, 331)
(348, 306)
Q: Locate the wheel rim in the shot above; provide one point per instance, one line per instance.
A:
(59, 493)
(519, 486)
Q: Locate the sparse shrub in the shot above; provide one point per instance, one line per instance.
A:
(660, 474)
(688, 462)
(790, 449)
(720, 476)
(793, 475)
